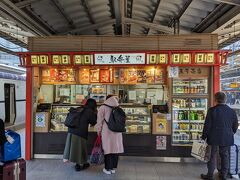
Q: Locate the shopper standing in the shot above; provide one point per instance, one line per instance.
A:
(112, 142)
(76, 143)
(220, 125)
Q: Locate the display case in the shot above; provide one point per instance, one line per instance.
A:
(189, 109)
(58, 116)
(193, 86)
(138, 119)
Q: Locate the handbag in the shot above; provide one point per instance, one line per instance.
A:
(97, 155)
(11, 150)
(201, 150)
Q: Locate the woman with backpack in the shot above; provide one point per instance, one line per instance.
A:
(112, 142)
(76, 144)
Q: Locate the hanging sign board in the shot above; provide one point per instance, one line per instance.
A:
(119, 58)
(173, 72)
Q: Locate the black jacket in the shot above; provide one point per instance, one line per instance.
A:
(220, 126)
(2, 133)
(88, 116)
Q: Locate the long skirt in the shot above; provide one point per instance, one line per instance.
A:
(76, 149)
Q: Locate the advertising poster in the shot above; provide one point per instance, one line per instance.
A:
(40, 120)
(161, 142)
(84, 76)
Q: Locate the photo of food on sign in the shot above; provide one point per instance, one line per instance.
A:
(123, 76)
(104, 75)
(62, 75)
(84, 76)
(132, 76)
(141, 76)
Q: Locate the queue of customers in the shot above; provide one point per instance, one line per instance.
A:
(112, 143)
(221, 124)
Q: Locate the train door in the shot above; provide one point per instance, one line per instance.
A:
(10, 103)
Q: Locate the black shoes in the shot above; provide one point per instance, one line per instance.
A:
(86, 165)
(79, 167)
(221, 177)
(207, 177)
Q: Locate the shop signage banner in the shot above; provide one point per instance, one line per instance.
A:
(119, 58)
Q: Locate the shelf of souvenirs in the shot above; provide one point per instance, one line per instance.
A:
(189, 121)
(190, 109)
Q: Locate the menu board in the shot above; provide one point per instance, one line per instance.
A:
(141, 76)
(94, 75)
(58, 75)
(132, 76)
(106, 75)
(84, 76)
(150, 73)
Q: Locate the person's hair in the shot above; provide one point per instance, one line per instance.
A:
(110, 95)
(220, 97)
(91, 103)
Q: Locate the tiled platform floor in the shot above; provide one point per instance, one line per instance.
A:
(40, 169)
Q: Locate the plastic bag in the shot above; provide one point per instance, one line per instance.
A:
(11, 150)
(97, 155)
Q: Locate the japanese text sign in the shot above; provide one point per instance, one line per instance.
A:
(120, 58)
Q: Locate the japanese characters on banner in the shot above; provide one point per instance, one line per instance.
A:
(119, 58)
(193, 71)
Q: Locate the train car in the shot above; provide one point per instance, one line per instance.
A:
(12, 97)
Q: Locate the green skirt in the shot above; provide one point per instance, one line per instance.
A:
(76, 149)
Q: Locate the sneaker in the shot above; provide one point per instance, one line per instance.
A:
(113, 171)
(107, 171)
(207, 177)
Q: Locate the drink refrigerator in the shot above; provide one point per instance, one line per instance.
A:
(190, 99)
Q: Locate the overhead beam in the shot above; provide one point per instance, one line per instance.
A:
(232, 2)
(159, 27)
(212, 17)
(90, 27)
(12, 39)
(15, 31)
(3, 49)
(25, 3)
(87, 10)
(122, 15)
(180, 13)
(116, 7)
(154, 14)
(129, 14)
(9, 10)
(30, 11)
(229, 41)
(63, 13)
(223, 20)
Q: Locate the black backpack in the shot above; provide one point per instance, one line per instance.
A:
(72, 119)
(117, 119)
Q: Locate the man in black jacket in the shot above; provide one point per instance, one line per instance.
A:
(220, 126)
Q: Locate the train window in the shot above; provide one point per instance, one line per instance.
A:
(10, 103)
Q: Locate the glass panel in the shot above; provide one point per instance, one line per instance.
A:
(181, 86)
(188, 119)
(196, 86)
(138, 120)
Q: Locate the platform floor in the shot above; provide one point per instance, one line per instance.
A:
(40, 169)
